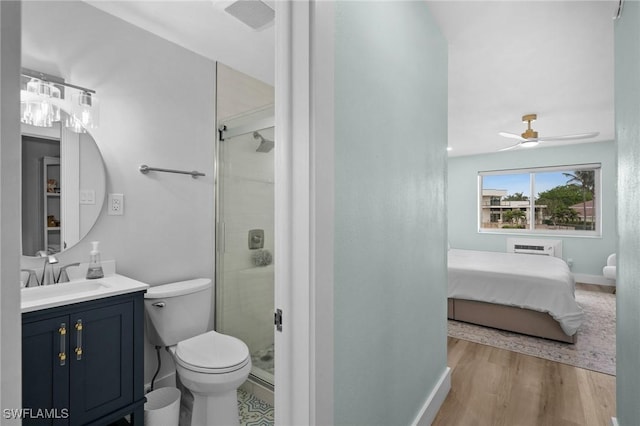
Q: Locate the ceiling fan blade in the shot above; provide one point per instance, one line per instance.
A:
(510, 147)
(569, 137)
(511, 135)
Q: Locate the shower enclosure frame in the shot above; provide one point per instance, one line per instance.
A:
(264, 120)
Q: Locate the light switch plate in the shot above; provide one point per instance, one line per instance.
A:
(87, 196)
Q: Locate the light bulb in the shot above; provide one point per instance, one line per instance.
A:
(529, 144)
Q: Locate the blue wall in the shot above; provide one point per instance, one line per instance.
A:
(589, 254)
(390, 220)
(627, 33)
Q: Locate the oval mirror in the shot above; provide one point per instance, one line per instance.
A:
(63, 188)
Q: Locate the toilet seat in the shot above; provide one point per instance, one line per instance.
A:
(212, 353)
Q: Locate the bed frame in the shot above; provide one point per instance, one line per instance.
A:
(510, 318)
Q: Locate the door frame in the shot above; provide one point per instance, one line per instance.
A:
(304, 204)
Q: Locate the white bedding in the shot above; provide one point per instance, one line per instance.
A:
(539, 283)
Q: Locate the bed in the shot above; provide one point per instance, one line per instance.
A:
(524, 293)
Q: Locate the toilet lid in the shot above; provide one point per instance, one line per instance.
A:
(212, 351)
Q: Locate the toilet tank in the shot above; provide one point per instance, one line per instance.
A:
(177, 311)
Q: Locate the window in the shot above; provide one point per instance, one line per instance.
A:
(551, 200)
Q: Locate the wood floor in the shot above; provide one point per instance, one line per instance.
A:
(595, 287)
(491, 386)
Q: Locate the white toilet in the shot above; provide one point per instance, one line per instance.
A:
(210, 365)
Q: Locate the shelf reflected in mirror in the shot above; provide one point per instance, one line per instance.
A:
(63, 187)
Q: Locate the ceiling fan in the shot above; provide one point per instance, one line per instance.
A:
(530, 137)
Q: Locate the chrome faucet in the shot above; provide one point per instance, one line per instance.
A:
(63, 277)
(49, 260)
(31, 273)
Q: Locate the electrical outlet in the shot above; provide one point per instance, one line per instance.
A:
(116, 205)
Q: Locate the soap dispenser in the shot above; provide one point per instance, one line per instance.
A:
(95, 267)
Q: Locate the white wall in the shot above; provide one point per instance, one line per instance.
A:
(157, 108)
(90, 179)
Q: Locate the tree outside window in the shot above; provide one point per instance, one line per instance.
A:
(565, 200)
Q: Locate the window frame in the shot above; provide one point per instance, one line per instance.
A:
(531, 230)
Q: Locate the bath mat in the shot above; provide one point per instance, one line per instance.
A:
(595, 349)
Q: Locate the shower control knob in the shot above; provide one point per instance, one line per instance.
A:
(256, 239)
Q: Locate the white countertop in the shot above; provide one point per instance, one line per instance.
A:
(79, 290)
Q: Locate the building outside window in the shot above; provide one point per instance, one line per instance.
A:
(566, 200)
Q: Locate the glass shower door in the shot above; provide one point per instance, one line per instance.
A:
(245, 246)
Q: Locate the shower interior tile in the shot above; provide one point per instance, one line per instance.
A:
(242, 195)
(246, 314)
(237, 232)
(248, 163)
(233, 262)
(237, 255)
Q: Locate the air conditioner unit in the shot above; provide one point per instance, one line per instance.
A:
(527, 249)
(531, 246)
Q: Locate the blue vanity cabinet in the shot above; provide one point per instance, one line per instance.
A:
(45, 368)
(84, 361)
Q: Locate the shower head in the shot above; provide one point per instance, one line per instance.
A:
(265, 144)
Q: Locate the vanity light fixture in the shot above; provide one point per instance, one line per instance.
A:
(84, 113)
(38, 103)
(44, 96)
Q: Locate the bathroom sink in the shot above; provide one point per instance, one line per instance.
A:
(36, 298)
(33, 294)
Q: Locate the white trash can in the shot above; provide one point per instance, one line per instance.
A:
(162, 407)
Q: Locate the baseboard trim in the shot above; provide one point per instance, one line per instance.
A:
(593, 279)
(433, 403)
(614, 421)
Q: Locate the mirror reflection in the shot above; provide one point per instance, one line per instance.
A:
(63, 187)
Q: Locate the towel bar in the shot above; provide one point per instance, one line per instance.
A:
(144, 169)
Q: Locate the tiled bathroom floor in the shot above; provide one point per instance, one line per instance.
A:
(253, 411)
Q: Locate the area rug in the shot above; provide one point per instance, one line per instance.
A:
(595, 349)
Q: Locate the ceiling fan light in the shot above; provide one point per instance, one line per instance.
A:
(530, 138)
